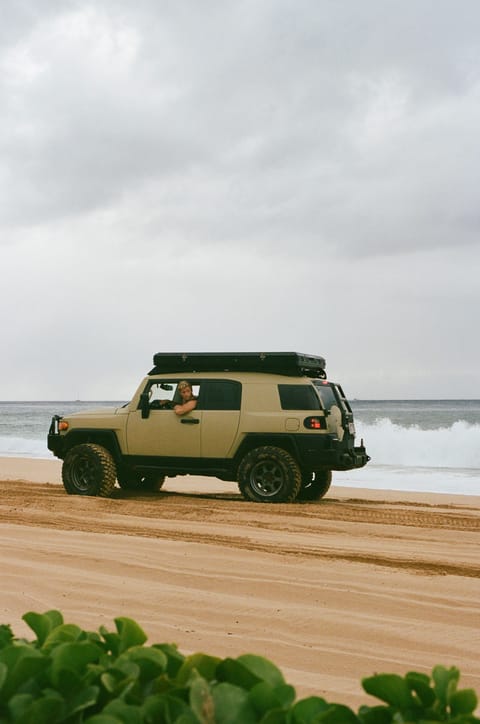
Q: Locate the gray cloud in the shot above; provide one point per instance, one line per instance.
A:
(278, 168)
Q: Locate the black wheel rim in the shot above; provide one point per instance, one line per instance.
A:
(84, 474)
(267, 478)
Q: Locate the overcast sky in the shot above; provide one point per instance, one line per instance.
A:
(245, 175)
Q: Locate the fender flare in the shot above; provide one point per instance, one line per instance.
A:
(106, 438)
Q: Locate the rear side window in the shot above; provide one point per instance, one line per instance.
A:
(326, 394)
(298, 397)
(221, 395)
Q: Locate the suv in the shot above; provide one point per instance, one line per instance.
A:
(272, 422)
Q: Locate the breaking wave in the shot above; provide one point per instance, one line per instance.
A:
(387, 443)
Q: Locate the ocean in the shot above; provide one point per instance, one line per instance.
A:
(415, 445)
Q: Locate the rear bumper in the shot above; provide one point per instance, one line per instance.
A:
(331, 454)
(355, 458)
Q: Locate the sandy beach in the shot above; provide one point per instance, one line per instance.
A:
(361, 582)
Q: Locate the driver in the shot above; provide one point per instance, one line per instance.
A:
(189, 401)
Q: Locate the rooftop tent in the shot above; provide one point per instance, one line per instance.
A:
(286, 363)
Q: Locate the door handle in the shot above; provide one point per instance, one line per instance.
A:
(190, 421)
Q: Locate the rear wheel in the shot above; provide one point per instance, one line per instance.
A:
(89, 469)
(315, 485)
(269, 475)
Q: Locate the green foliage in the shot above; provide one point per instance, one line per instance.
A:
(67, 675)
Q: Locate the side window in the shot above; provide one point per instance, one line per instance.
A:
(221, 395)
(326, 395)
(298, 397)
(163, 395)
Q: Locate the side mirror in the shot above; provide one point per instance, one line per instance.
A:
(145, 404)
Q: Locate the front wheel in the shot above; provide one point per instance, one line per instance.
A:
(269, 475)
(89, 469)
(315, 485)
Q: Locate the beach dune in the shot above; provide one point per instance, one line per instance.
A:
(361, 582)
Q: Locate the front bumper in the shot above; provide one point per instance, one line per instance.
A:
(55, 441)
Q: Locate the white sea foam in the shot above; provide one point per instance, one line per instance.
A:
(20, 447)
(423, 480)
(457, 446)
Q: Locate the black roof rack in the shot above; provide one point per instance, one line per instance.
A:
(285, 363)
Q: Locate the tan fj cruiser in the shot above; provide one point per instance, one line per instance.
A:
(272, 422)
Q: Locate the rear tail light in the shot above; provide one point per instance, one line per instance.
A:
(315, 423)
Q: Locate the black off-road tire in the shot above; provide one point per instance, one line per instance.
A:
(315, 485)
(136, 481)
(89, 469)
(269, 475)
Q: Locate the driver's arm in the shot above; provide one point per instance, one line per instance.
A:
(186, 407)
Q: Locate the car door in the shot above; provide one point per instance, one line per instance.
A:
(164, 433)
(220, 402)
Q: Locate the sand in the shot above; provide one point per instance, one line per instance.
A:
(363, 581)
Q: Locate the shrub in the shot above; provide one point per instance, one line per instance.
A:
(73, 676)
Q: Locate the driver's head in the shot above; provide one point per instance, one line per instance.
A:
(185, 389)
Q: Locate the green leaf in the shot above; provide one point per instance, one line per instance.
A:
(205, 665)
(130, 633)
(285, 694)
(67, 632)
(420, 684)
(375, 715)
(126, 713)
(112, 640)
(188, 717)
(151, 662)
(3, 674)
(201, 701)
(417, 676)
(72, 657)
(18, 706)
(6, 635)
(232, 705)
(390, 688)
(275, 716)
(42, 623)
(265, 697)
(103, 719)
(174, 658)
(445, 683)
(23, 662)
(81, 700)
(263, 668)
(164, 708)
(338, 714)
(46, 710)
(233, 672)
(69, 682)
(119, 680)
(305, 711)
(463, 702)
